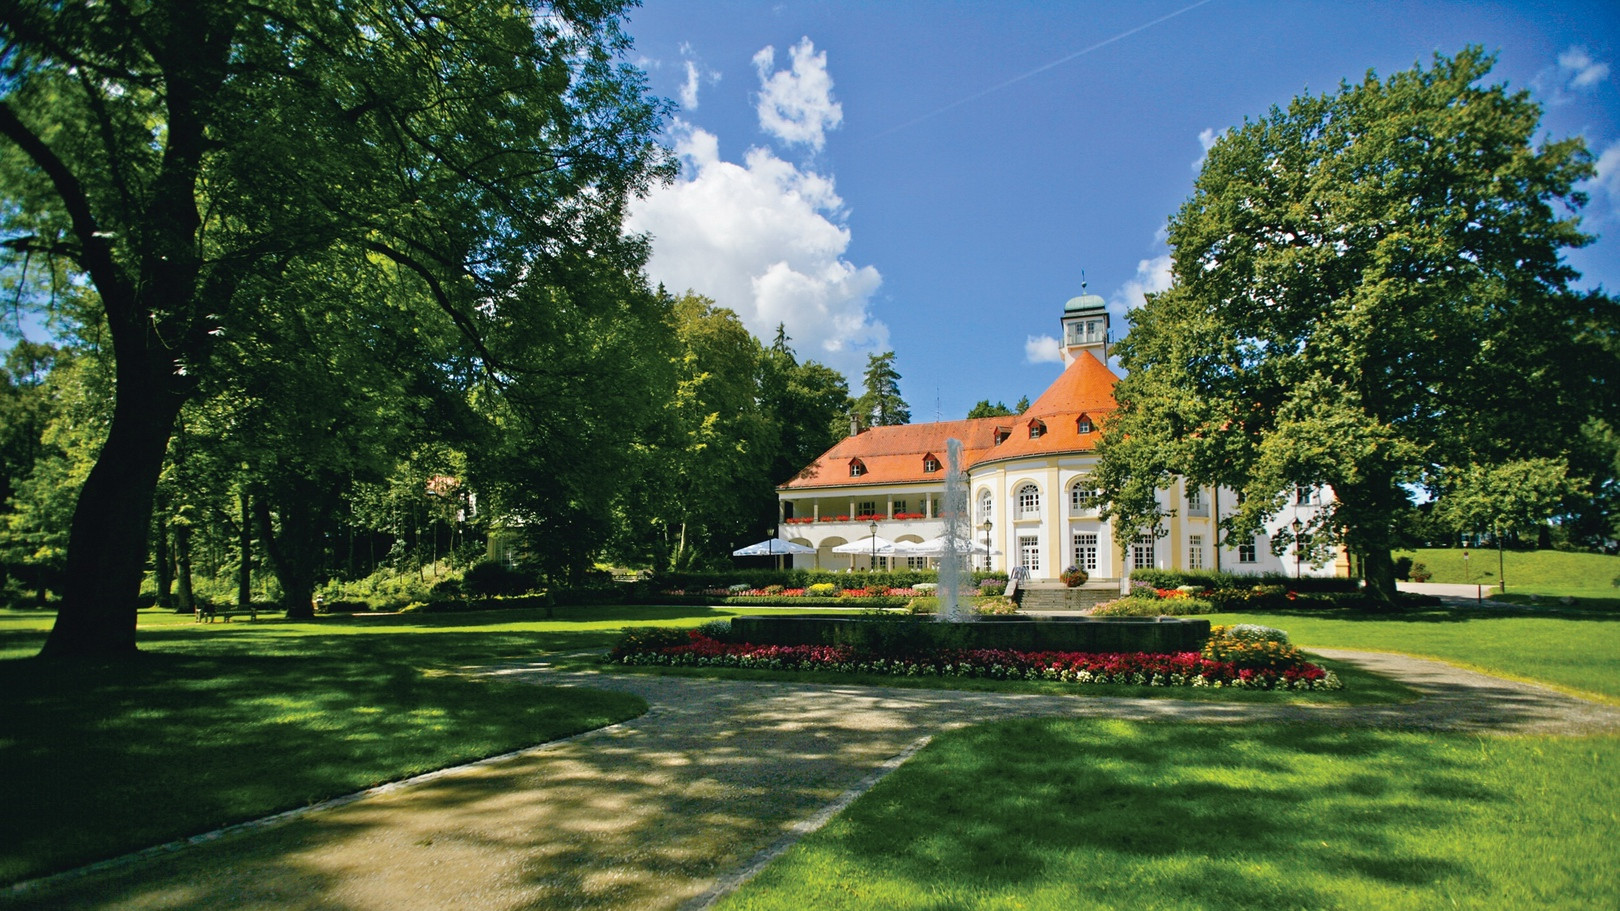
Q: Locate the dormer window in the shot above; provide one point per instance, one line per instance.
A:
(1037, 429)
(930, 464)
(1084, 425)
(1002, 433)
(856, 468)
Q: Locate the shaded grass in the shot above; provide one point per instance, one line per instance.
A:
(220, 723)
(1077, 814)
(1580, 654)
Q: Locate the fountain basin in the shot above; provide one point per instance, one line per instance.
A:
(1025, 634)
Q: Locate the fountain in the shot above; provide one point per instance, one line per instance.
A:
(953, 510)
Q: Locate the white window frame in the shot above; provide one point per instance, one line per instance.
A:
(1248, 551)
(1027, 500)
(1029, 552)
(1142, 552)
(1082, 497)
(1085, 550)
(987, 506)
(1195, 551)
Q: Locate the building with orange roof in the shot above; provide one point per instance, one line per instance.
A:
(1028, 478)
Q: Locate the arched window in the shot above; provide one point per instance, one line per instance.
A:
(987, 506)
(1082, 496)
(1028, 498)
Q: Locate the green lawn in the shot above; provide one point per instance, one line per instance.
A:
(1580, 654)
(1545, 573)
(1064, 814)
(219, 723)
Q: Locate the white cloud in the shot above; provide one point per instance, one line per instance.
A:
(1578, 70)
(1608, 172)
(1042, 349)
(1206, 139)
(696, 77)
(689, 88)
(767, 240)
(1152, 276)
(796, 105)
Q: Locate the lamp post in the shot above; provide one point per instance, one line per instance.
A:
(986, 527)
(1298, 527)
(873, 527)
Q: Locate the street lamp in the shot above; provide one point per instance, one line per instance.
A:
(1298, 527)
(873, 527)
(986, 527)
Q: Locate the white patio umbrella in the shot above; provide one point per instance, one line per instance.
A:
(871, 545)
(936, 547)
(772, 547)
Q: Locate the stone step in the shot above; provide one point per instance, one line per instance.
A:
(1047, 597)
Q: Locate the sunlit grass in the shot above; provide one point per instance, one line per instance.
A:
(1581, 654)
(1086, 814)
(1547, 573)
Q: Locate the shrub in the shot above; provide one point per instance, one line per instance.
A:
(996, 606)
(992, 586)
(636, 639)
(930, 587)
(1253, 632)
(1148, 606)
(1420, 573)
(1248, 651)
(928, 604)
(820, 590)
(718, 630)
(489, 578)
(775, 589)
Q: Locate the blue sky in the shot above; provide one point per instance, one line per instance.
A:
(932, 178)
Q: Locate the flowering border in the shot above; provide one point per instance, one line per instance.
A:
(1118, 668)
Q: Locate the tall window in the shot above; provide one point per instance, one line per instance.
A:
(1029, 502)
(1082, 497)
(899, 506)
(1195, 551)
(1246, 551)
(1029, 552)
(1305, 496)
(1142, 552)
(1085, 550)
(987, 506)
(1195, 502)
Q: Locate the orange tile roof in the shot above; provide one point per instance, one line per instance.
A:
(894, 455)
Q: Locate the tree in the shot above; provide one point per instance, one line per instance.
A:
(176, 152)
(1510, 498)
(1368, 293)
(880, 404)
(807, 406)
(986, 410)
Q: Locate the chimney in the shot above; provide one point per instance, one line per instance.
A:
(855, 424)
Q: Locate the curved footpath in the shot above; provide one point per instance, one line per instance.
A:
(676, 807)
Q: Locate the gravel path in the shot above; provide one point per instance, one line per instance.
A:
(675, 807)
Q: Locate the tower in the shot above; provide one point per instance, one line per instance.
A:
(1085, 326)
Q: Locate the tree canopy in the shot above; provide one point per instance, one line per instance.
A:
(880, 403)
(1368, 293)
(182, 156)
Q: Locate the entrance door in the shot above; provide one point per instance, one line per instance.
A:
(1029, 553)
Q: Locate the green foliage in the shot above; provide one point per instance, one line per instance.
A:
(1145, 606)
(1369, 293)
(648, 638)
(488, 578)
(986, 410)
(880, 404)
(1248, 648)
(1210, 579)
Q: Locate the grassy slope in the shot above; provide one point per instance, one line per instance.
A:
(1109, 814)
(1544, 572)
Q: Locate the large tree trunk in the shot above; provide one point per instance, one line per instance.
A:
(294, 551)
(107, 542)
